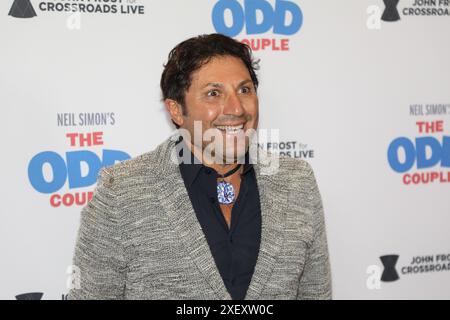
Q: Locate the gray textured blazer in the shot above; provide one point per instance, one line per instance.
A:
(139, 237)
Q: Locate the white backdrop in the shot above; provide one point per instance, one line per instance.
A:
(346, 88)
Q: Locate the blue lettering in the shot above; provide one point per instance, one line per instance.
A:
(36, 172)
(436, 152)
(271, 17)
(446, 152)
(439, 153)
(74, 160)
(218, 17)
(71, 171)
(410, 154)
(281, 7)
(251, 7)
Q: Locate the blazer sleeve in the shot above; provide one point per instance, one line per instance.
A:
(315, 282)
(99, 258)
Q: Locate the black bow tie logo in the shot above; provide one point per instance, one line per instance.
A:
(30, 296)
(389, 273)
(22, 9)
(390, 13)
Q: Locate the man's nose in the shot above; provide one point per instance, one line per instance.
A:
(233, 105)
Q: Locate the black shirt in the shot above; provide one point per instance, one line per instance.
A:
(234, 249)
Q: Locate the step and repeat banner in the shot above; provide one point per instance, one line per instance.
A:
(358, 88)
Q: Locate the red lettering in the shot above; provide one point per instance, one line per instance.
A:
(97, 138)
(267, 44)
(430, 127)
(434, 176)
(69, 199)
(85, 139)
(426, 177)
(72, 137)
(55, 200)
(406, 179)
(284, 44)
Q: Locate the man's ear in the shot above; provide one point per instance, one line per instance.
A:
(175, 111)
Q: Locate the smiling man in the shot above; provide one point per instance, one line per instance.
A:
(201, 217)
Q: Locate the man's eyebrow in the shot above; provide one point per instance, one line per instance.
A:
(213, 84)
(244, 82)
(220, 85)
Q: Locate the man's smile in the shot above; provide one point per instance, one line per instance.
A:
(231, 129)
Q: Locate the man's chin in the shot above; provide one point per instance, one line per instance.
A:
(232, 156)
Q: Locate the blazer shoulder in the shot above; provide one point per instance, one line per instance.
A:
(130, 166)
(297, 168)
(149, 164)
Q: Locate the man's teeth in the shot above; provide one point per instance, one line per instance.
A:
(230, 129)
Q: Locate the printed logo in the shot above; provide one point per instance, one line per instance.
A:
(390, 12)
(30, 296)
(49, 171)
(415, 8)
(22, 9)
(259, 17)
(389, 274)
(425, 158)
(419, 264)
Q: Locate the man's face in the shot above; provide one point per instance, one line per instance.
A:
(222, 97)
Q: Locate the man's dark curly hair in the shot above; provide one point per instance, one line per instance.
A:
(193, 53)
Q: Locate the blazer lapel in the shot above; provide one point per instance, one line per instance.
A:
(177, 205)
(274, 200)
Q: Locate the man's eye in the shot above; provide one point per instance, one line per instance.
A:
(213, 93)
(245, 90)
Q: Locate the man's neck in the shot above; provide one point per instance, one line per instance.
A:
(220, 168)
